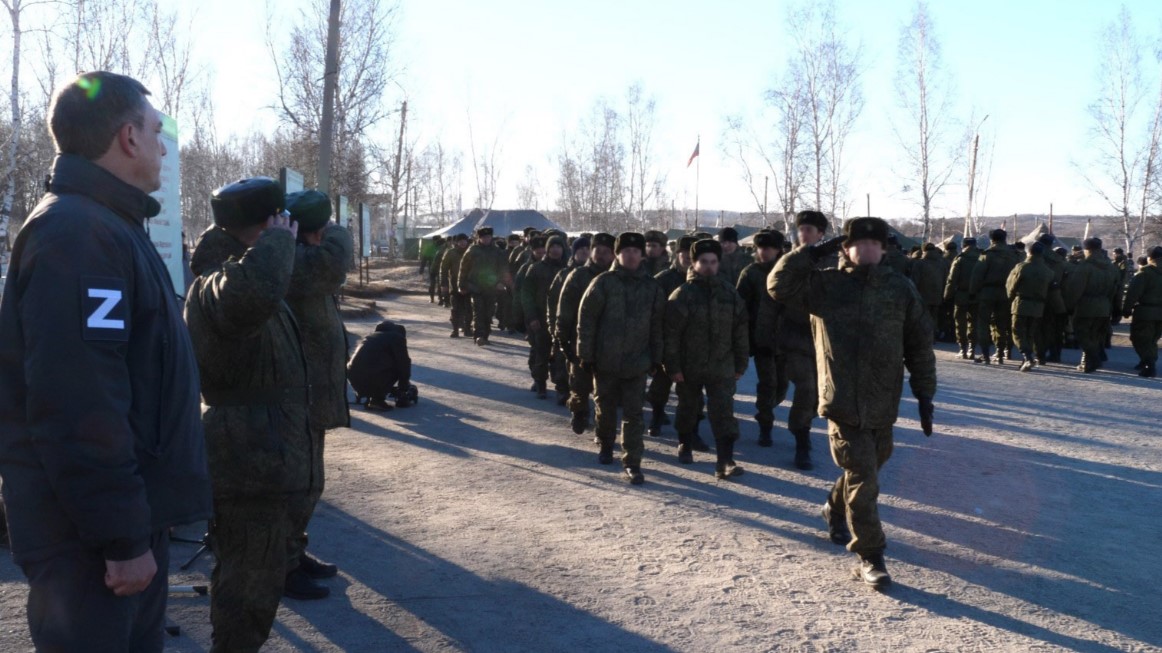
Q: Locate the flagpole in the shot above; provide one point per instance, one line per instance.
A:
(697, 179)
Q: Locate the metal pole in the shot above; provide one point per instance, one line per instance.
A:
(397, 173)
(766, 186)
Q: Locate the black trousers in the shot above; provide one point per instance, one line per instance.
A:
(70, 609)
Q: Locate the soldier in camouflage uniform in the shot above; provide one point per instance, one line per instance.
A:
(657, 258)
(434, 271)
(956, 290)
(1091, 289)
(1028, 289)
(568, 307)
(706, 349)
(870, 325)
(988, 286)
(734, 258)
(254, 382)
(658, 393)
(558, 363)
(461, 317)
(322, 257)
(795, 349)
(483, 276)
(619, 340)
(763, 313)
(1051, 337)
(534, 295)
(1144, 302)
(929, 275)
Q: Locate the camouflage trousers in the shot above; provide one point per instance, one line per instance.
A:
(302, 504)
(483, 309)
(658, 394)
(772, 386)
(800, 370)
(580, 387)
(612, 393)
(250, 544)
(1144, 336)
(719, 408)
(1091, 334)
(461, 313)
(994, 315)
(508, 312)
(1027, 334)
(1051, 335)
(559, 369)
(860, 453)
(965, 317)
(540, 348)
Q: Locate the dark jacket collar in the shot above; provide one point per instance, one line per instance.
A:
(72, 174)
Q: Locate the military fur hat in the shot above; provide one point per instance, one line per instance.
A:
(557, 240)
(602, 239)
(247, 202)
(310, 208)
(484, 231)
(866, 229)
(998, 235)
(728, 235)
(928, 247)
(686, 241)
(1155, 254)
(528, 230)
(654, 236)
(459, 237)
(1046, 239)
(1092, 244)
(629, 239)
(580, 244)
(515, 238)
(1037, 249)
(769, 239)
(537, 242)
(814, 218)
(706, 246)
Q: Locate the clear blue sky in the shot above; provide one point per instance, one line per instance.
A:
(528, 71)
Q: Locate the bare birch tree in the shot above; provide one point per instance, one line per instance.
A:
(644, 182)
(932, 140)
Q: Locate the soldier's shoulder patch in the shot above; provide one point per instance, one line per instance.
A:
(104, 309)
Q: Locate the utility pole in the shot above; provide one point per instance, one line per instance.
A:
(330, 81)
(972, 177)
(766, 185)
(403, 117)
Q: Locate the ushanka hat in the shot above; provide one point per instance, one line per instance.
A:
(866, 229)
(706, 246)
(629, 239)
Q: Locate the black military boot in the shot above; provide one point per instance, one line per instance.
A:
(299, 585)
(696, 441)
(634, 475)
(685, 453)
(963, 352)
(765, 433)
(1026, 362)
(455, 333)
(1140, 365)
(541, 389)
(656, 416)
(803, 449)
(580, 421)
(380, 405)
(872, 571)
(316, 569)
(605, 456)
(837, 530)
(725, 467)
(1148, 371)
(984, 356)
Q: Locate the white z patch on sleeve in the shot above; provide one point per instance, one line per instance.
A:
(104, 309)
(100, 317)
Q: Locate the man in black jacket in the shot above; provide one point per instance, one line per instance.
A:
(101, 441)
(380, 366)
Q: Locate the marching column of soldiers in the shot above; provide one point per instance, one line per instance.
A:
(630, 321)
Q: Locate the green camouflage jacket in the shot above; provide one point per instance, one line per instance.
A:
(869, 324)
(1091, 290)
(991, 272)
(762, 311)
(1144, 296)
(534, 289)
(569, 305)
(706, 330)
(956, 289)
(1028, 287)
(450, 269)
(248, 345)
(320, 272)
(482, 269)
(928, 275)
(619, 326)
(732, 265)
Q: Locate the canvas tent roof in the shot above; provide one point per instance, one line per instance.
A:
(1058, 241)
(503, 222)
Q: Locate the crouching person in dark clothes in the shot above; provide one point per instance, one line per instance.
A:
(322, 256)
(254, 382)
(869, 324)
(381, 366)
(101, 445)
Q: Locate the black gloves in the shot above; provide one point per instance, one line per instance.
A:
(926, 412)
(826, 248)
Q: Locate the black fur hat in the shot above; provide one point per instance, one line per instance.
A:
(814, 218)
(602, 239)
(706, 246)
(998, 235)
(866, 229)
(1092, 244)
(769, 239)
(629, 239)
(247, 202)
(685, 241)
(658, 237)
(729, 234)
